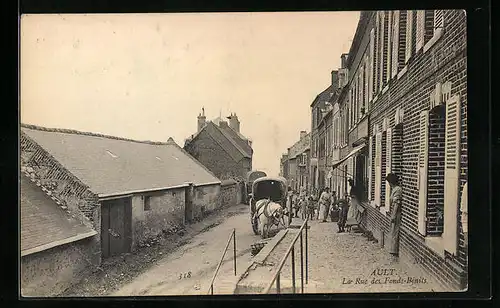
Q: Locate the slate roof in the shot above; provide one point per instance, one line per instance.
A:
(43, 223)
(241, 140)
(227, 138)
(112, 166)
(324, 96)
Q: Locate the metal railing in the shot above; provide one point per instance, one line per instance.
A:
(231, 237)
(291, 250)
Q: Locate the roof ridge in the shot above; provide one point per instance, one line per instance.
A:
(233, 142)
(195, 160)
(77, 132)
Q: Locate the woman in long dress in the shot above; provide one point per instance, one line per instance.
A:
(396, 204)
(354, 212)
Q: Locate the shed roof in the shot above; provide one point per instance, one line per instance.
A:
(44, 224)
(112, 166)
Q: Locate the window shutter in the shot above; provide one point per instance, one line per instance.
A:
(370, 150)
(422, 171)
(383, 49)
(388, 167)
(420, 29)
(388, 50)
(438, 19)
(409, 35)
(395, 43)
(378, 168)
(452, 174)
(372, 65)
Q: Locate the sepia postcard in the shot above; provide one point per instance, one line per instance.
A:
(243, 153)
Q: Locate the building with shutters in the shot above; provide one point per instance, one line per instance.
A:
(407, 101)
(321, 133)
(295, 163)
(221, 147)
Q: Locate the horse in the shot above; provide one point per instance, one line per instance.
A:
(268, 214)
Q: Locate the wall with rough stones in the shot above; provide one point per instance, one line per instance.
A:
(51, 272)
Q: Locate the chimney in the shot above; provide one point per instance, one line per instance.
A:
(223, 124)
(335, 79)
(343, 60)
(303, 133)
(234, 123)
(201, 119)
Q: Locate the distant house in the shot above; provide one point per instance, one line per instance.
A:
(56, 245)
(129, 190)
(221, 147)
(294, 165)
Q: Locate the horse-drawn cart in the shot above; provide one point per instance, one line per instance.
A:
(268, 206)
(250, 178)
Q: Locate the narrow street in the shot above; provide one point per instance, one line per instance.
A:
(189, 269)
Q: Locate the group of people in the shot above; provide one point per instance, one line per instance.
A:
(350, 209)
(321, 204)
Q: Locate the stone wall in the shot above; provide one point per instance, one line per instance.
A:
(51, 272)
(205, 200)
(165, 214)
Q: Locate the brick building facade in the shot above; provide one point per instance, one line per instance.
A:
(408, 93)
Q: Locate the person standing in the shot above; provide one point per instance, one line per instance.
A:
(324, 204)
(396, 200)
(355, 209)
(343, 209)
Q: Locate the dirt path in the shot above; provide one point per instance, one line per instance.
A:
(188, 270)
(155, 270)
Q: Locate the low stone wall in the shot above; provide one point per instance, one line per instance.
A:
(228, 193)
(51, 272)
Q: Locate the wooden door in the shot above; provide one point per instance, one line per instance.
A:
(116, 231)
(188, 204)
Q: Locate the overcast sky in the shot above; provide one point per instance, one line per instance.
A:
(147, 76)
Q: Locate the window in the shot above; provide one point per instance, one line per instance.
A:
(147, 203)
(426, 25)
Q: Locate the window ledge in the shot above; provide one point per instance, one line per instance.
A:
(434, 39)
(436, 244)
(402, 72)
(385, 89)
(375, 98)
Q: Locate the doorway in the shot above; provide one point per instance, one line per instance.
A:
(116, 227)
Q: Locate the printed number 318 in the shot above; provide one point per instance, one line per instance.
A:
(185, 275)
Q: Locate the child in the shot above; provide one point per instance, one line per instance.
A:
(343, 209)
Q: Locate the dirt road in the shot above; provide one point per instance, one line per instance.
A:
(188, 269)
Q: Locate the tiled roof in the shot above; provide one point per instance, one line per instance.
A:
(112, 165)
(43, 223)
